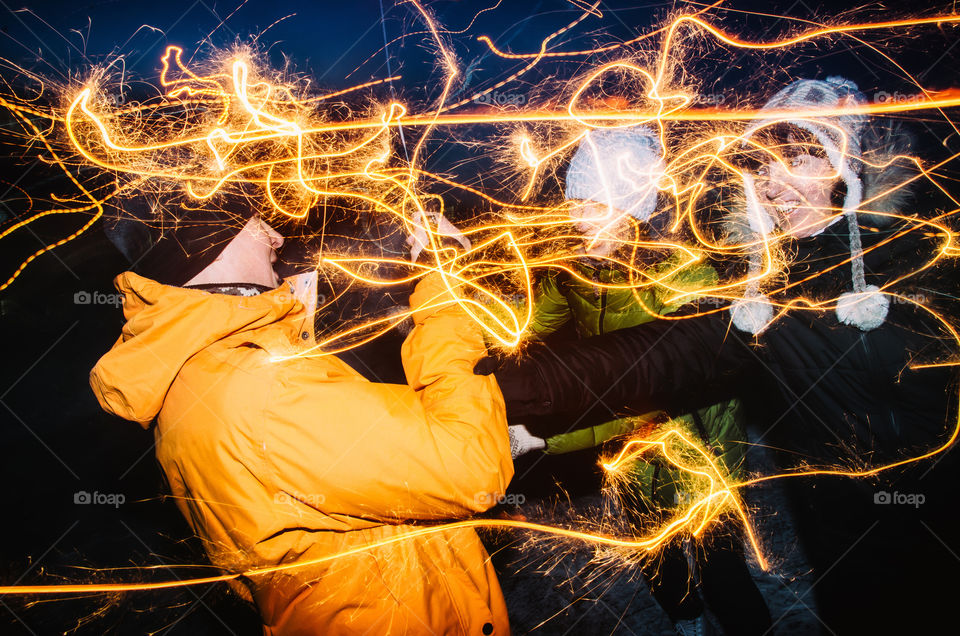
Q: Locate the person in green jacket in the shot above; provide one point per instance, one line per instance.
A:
(612, 178)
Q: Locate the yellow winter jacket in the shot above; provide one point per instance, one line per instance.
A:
(280, 460)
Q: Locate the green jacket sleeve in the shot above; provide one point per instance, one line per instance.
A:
(550, 307)
(589, 437)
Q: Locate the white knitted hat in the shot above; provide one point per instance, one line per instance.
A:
(865, 307)
(617, 167)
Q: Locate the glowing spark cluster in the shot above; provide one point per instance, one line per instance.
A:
(238, 125)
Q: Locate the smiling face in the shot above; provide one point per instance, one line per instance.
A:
(602, 227)
(797, 189)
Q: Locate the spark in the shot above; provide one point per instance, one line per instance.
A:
(230, 122)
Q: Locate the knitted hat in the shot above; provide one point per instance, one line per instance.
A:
(172, 244)
(617, 167)
(840, 136)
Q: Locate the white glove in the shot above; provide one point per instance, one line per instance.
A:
(522, 441)
(418, 240)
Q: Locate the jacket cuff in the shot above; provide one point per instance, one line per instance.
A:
(430, 296)
(525, 394)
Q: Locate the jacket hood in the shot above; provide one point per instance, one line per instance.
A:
(165, 327)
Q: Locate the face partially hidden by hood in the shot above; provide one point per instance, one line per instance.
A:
(603, 228)
(165, 327)
(795, 184)
(831, 140)
(248, 258)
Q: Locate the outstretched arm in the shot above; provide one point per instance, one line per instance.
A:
(435, 449)
(640, 368)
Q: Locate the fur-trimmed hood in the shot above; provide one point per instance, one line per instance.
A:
(887, 171)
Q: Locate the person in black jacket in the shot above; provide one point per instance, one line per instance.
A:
(831, 360)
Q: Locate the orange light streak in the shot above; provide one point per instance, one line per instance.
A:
(238, 128)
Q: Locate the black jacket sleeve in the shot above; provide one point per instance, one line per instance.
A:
(664, 364)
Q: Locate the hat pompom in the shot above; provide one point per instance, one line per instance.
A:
(866, 310)
(752, 314)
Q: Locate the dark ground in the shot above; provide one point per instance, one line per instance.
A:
(566, 600)
(57, 442)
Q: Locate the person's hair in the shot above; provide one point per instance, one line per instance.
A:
(782, 140)
(785, 141)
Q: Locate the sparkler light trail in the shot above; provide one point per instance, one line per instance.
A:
(230, 122)
(716, 497)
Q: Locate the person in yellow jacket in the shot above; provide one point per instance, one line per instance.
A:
(277, 459)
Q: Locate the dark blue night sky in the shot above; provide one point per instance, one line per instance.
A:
(329, 40)
(341, 44)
